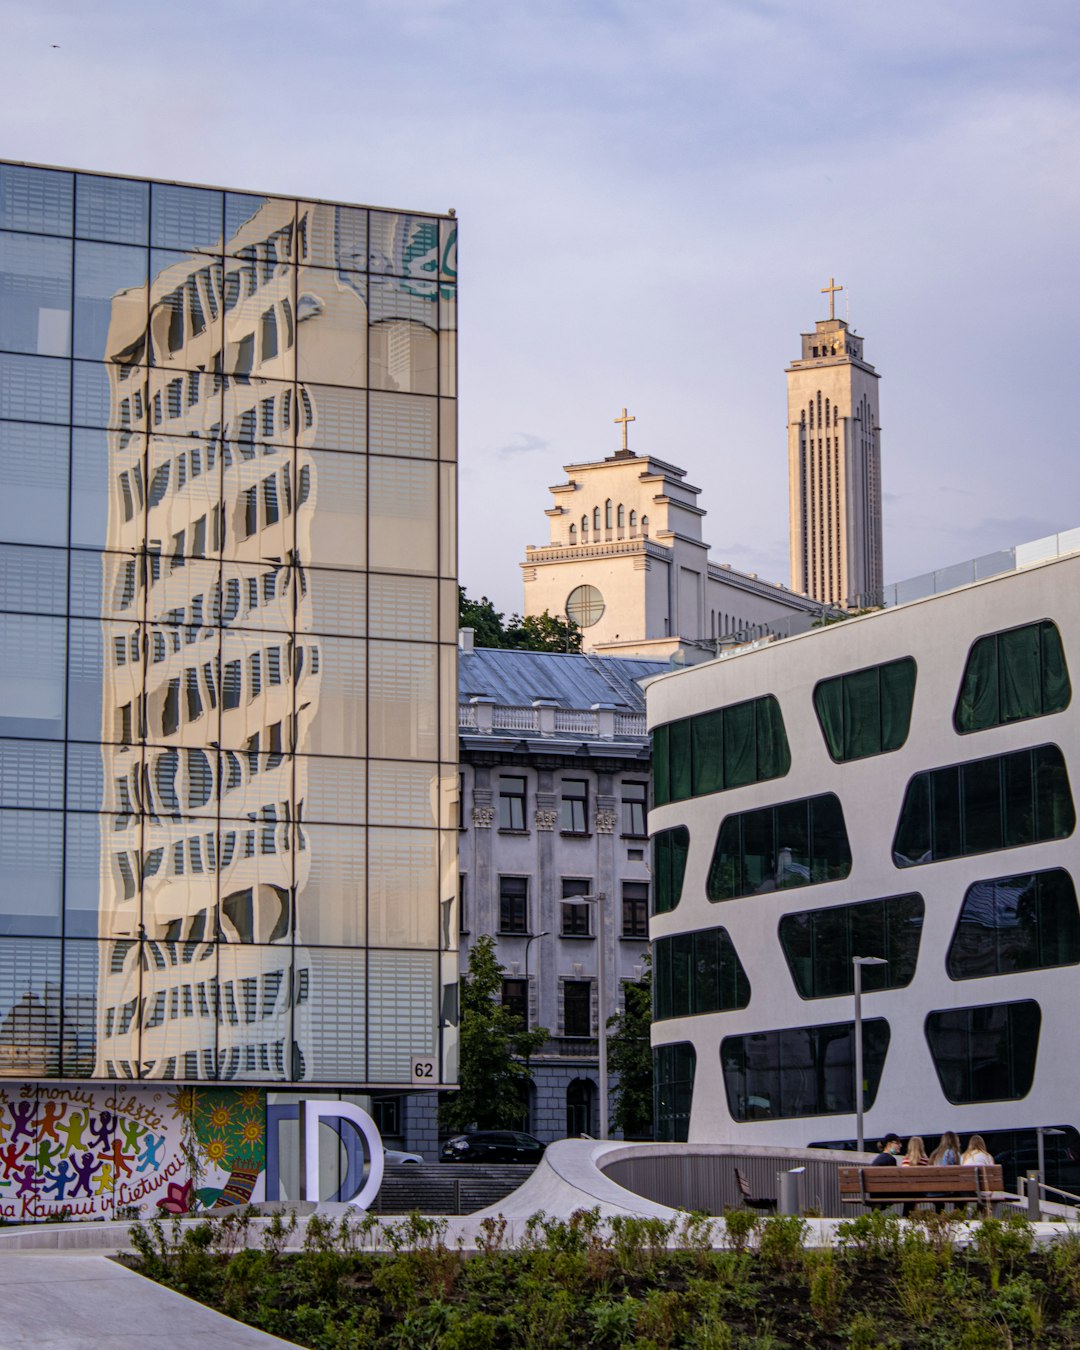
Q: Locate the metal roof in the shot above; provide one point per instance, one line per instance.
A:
(567, 679)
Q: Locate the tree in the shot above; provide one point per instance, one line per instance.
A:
(630, 1056)
(494, 1050)
(536, 633)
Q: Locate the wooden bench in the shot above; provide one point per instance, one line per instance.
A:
(923, 1185)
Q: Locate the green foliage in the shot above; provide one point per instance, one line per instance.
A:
(494, 1051)
(741, 1226)
(590, 1283)
(535, 633)
(630, 1057)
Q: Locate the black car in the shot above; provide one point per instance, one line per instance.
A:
(492, 1146)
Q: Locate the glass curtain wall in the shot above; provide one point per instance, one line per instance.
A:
(227, 638)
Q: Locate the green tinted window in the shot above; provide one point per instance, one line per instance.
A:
(801, 1071)
(985, 1054)
(1013, 675)
(670, 848)
(1027, 922)
(818, 945)
(724, 748)
(697, 973)
(866, 712)
(673, 1091)
(774, 848)
(1005, 801)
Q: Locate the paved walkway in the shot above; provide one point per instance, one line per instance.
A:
(64, 1300)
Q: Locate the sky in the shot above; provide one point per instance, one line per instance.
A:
(651, 194)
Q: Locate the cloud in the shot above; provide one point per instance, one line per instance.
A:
(525, 445)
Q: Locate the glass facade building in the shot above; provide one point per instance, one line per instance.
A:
(228, 618)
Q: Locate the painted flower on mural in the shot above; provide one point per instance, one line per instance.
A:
(177, 1198)
(220, 1117)
(252, 1132)
(251, 1100)
(183, 1103)
(217, 1150)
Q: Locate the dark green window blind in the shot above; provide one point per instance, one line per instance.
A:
(866, 712)
(1004, 801)
(818, 945)
(798, 843)
(724, 748)
(1011, 676)
(1026, 922)
(670, 848)
(985, 1054)
(697, 973)
(801, 1071)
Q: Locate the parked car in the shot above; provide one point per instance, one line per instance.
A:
(492, 1146)
(394, 1156)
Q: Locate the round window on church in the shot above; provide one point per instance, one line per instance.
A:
(585, 605)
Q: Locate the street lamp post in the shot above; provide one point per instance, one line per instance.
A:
(528, 943)
(601, 998)
(858, 962)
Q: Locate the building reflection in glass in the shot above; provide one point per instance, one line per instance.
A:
(228, 634)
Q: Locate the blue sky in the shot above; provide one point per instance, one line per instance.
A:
(651, 194)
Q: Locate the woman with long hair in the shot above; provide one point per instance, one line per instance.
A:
(916, 1153)
(975, 1155)
(947, 1153)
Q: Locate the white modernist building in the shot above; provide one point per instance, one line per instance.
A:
(898, 786)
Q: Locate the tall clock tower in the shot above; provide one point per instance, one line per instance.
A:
(834, 467)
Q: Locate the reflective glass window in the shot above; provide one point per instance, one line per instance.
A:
(401, 793)
(512, 802)
(801, 1071)
(635, 910)
(333, 236)
(331, 518)
(35, 200)
(31, 871)
(819, 944)
(724, 748)
(669, 853)
(798, 843)
(513, 904)
(405, 245)
(186, 217)
(866, 712)
(986, 1053)
(635, 806)
(673, 1091)
(33, 652)
(267, 224)
(333, 418)
(114, 209)
(403, 338)
(403, 424)
(33, 483)
(574, 806)
(1004, 801)
(403, 607)
(402, 878)
(31, 773)
(698, 972)
(403, 1008)
(331, 333)
(330, 681)
(110, 303)
(30, 1006)
(331, 892)
(1025, 922)
(1012, 676)
(34, 388)
(35, 294)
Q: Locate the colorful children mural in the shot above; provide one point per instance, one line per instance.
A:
(96, 1151)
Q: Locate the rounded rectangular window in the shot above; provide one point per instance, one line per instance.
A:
(1012, 676)
(800, 843)
(1025, 922)
(670, 849)
(819, 944)
(1004, 801)
(696, 973)
(801, 1071)
(673, 1091)
(720, 749)
(866, 712)
(985, 1054)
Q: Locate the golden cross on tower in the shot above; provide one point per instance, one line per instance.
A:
(624, 419)
(830, 290)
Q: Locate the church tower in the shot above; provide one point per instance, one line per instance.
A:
(834, 467)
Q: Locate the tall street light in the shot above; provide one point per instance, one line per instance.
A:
(601, 997)
(528, 943)
(858, 962)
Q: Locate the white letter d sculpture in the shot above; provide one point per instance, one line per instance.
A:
(342, 1113)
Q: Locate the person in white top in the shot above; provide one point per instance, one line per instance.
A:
(975, 1155)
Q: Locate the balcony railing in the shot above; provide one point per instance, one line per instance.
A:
(484, 716)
